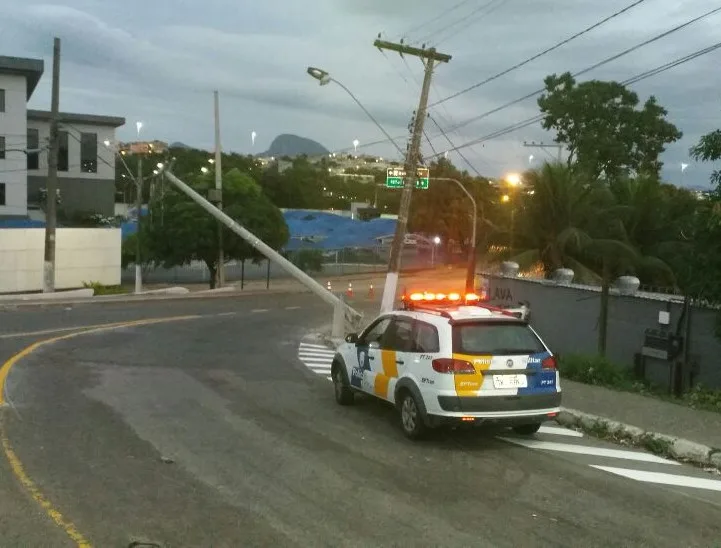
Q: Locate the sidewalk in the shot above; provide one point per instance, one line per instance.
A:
(651, 415)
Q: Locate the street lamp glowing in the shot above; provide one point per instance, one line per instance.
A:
(513, 179)
(319, 74)
(505, 198)
(437, 240)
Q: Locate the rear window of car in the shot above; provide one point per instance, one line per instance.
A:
(495, 339)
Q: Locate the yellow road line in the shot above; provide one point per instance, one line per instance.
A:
(16, 465)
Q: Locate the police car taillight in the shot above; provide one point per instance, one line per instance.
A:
(549, 363)
(450, 365)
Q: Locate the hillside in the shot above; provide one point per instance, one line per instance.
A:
(293, 145)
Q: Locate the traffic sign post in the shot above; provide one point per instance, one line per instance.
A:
(395, 175)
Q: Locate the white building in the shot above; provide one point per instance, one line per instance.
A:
(86, 168)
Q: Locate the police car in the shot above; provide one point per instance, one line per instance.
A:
(450, 359)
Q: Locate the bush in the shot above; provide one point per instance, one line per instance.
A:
(703, 398)
(595, 370)
(308, 260)
(101, 289)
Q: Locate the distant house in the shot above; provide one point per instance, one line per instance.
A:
(86, 168)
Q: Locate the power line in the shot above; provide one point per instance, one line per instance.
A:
(592, 67)
(436, 18)
(540, 54)
(642, 76)
(588, 69)
(467, 18)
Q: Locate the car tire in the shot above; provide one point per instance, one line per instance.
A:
(411, 415)
(341, 386)
(527, 429)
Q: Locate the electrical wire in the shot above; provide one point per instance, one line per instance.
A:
(584, 71)
(468, 21)
(540, 54)
(592, 67)
(642, 76)
(434, 19)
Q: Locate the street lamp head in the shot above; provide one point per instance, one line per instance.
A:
(319, 74)
(513, 179)
(437, 240)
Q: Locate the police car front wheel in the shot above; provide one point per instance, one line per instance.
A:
(343, 393)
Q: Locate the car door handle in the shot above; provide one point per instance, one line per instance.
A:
(400, 362)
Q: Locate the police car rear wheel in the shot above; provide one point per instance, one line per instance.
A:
(343, 393)
(527, 429)
(411, 418)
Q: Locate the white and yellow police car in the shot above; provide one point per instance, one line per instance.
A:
(449, 359)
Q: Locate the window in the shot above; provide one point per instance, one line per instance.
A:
(426, 339)
(375, 332)
(2, 194)
(2, 147)
(399, 336)
(89, 152)
(2, 100)
(33, 143)
(495, 339)
(62, 151)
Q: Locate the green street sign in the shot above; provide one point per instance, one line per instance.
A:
(395, 176)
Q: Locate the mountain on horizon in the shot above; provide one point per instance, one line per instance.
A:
(293, 145)
(178, 144)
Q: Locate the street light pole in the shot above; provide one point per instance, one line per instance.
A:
(471, 269)
(138, 213)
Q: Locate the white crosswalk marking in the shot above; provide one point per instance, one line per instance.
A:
(662, 478)
(317, 358)
(587, 450)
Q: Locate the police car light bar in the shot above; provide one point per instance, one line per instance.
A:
(428, 299)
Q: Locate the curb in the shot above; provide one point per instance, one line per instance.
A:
(677, 448)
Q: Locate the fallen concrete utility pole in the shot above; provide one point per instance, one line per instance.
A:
(343, 314)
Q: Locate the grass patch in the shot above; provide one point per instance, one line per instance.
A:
(600, 371)
(101, 289)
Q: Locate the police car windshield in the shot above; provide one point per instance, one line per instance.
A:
(495, 339)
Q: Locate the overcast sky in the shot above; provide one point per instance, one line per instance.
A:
(158, 61)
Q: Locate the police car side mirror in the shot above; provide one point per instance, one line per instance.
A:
(351, 338)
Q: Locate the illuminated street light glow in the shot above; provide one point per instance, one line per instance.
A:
(437, 240)
(513, 179)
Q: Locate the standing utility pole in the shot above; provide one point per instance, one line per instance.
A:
(429, 58)
(138, 207)
(219, 190)
(543, 145)
(52, 184)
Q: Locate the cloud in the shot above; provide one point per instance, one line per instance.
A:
(159, 62)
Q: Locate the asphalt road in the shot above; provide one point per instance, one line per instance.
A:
(210, 432)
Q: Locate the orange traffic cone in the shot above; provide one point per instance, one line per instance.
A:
(371, 292)
(349, 293)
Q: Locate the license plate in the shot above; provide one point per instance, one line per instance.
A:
(510, 381)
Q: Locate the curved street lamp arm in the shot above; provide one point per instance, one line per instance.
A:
(349, 92)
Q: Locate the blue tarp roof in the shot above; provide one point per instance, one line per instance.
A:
(329, 231)
(308, 229)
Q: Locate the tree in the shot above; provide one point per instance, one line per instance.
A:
(604, 131)
(708, 149)
(178, 231)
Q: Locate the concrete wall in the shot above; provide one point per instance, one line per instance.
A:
(566, 317)
(82, 255)
(13, 128)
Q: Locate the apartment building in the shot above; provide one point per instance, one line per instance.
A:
(86, 168)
